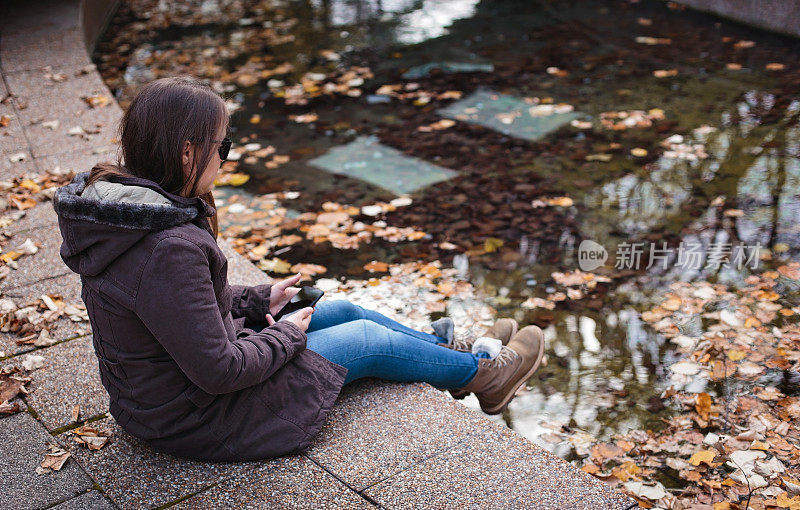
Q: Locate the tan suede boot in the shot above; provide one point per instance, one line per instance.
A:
(503, 330)
(497, 380)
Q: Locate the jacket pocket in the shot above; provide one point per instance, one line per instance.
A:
(199, 397)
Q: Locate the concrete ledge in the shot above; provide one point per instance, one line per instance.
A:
(385, 444)
(782, 16)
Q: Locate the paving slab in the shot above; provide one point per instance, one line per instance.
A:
(496, 468)
(36, 50)
(40, 216)
(46, 262)
(12, 138)
(101, 128)
(40, 17)
(92, 500)
(378, 428)
(69, 287)
(11, 168)
(133, 475)
(39, 95)
(69, 376)
(285, 482)
(22, 450)
(366, 159)
(78, 161)
(506, 114)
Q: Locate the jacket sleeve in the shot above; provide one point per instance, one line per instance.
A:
(251, 302)
(177, 304)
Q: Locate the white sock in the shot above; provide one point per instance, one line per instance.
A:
(491, 346)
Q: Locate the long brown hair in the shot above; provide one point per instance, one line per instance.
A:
(161, 118)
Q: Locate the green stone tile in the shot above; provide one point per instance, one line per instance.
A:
(506, 114)
(366, 159)
(424, 70)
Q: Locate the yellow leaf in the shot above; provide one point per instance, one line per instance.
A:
(560, 201)
(751, 322)
(492, 244)
(736, 355)
(703, 456)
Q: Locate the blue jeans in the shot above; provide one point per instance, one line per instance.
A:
(369, 344)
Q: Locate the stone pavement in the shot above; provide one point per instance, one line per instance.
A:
(385, 444)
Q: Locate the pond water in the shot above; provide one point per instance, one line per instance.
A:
(705, 151)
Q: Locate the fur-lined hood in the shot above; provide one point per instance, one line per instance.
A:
(114, 215)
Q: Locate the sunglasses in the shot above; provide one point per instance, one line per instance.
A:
(224, 147)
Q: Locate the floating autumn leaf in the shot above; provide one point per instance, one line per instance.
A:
(5, 120)
(308, 269)
(638, 152)
(437, 126)
(274, 265)
(233, 179)
(492, 244)
(703, 406)
(375, 266)
(775, 66)
(648, 490)
(704, 457)
(304, 118)
(791, 271)
(665, 73)
(560, 202)
(605, 451)
(535, 302)
(555, 71)
(605, 158)
(652, 41)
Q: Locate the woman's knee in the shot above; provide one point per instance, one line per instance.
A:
(345, 309)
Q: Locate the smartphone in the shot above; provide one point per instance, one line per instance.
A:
(307, 297)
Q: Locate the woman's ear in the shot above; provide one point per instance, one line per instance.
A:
(186, 157)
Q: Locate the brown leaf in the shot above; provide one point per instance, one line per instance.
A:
(703, 406)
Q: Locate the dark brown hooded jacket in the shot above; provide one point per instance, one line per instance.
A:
(188, 361)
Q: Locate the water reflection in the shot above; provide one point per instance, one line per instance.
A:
(412, 21)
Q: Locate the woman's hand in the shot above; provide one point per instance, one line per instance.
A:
(300, 318)
(281, 293)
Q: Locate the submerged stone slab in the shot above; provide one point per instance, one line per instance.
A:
(496, 468)
(285, 482)
(366, 159)
(448, 67)
(507, 114)
(70, 376)
(378, 428)
(133, 475)
(22, 450)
